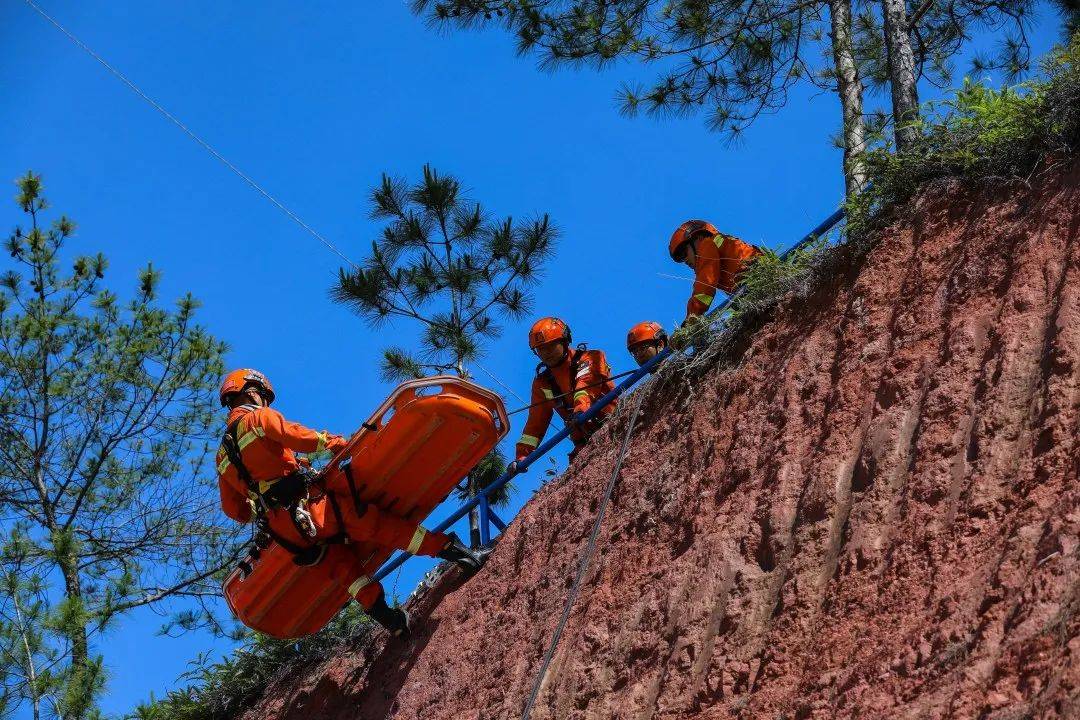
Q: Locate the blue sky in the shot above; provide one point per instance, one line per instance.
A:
(315, 101)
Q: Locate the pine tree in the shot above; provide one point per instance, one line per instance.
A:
(442, 262)
(487, 471)
(1070, 15)
(730, 59)
(106, 413)
(735, 60)
(849, 88)
(900, 44)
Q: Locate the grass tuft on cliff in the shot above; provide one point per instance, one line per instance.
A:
(222, 690)
(980, 134)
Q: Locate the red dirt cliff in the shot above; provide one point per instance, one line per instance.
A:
(874, 514)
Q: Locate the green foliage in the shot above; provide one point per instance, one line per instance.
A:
(1070, 15)
(442, 262)
(487, 471)
(770, 276)
(980, 133)
(731, 59)
(223, 690)
(106, 414)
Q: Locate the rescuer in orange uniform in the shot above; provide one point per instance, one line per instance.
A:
(645, 341)
(567, 381)
(261, 478)
(717, 260)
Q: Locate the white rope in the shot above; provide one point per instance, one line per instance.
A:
(505, 387)
(134, 88)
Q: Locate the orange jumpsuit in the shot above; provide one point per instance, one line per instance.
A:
(268, 445)
(592, 379)
(720, 259)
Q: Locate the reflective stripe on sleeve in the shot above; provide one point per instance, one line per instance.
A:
(359, 584)
(322, 441)
(417, 540)
(581, 394)
(530, 440)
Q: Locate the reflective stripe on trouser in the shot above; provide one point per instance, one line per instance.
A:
(365, 590)
(704, 299)
(530, 440)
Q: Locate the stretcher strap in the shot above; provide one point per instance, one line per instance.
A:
(361, 506)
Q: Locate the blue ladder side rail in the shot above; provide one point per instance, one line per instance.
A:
(487, 516)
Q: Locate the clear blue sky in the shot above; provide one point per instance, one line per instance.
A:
(315, 101)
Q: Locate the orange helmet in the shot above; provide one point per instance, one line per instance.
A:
(647, 331)
(239, 380)
(685, 233)
(547, 330)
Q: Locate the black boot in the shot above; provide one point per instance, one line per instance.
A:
(468, 560)
(395, 620)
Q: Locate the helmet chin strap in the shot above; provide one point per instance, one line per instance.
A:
(258, 394)
(565, 354)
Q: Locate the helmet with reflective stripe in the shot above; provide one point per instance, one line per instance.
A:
(687, 232)
(546, 330)
(239, 380)
(647, 331)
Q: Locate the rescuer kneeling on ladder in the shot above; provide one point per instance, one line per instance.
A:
(567, 381)
(261, 479)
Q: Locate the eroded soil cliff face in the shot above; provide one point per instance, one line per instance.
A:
(873, 515)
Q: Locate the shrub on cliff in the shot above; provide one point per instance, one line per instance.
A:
(1007, 134)
(222, 690)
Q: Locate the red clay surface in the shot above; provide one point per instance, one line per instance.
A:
(875, 515)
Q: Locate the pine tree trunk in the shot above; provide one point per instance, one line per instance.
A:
(850, 89)
(80, 684)
(31, 668)
(905, 97)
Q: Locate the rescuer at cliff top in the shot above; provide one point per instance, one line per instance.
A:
(717, 260)
(568, 380)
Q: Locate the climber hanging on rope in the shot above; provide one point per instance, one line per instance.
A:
(646, 340)
(717, 260)
(567, 381)
(261, 479)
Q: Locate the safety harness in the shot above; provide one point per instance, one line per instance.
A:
(564, 401)
(291, 493)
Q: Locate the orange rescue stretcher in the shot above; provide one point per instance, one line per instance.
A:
(405, 459)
